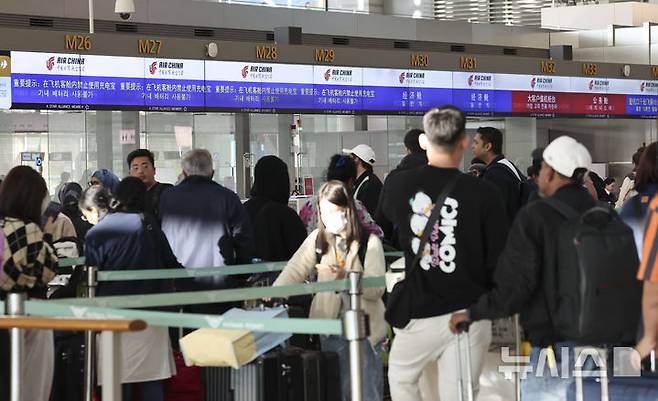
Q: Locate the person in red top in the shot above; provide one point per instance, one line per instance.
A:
(649, 274)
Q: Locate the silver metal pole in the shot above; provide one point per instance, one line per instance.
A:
(90, 339)
(517, 340)
(354, 329)
(111, 358)
(15, 306)
(91, 16)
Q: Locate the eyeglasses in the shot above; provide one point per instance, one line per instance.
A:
(90, 183)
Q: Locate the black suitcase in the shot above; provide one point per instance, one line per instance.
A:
(291, 374)
(69, 367)
(217, 384)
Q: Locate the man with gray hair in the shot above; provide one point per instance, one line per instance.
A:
(205, 224)
(450, 255)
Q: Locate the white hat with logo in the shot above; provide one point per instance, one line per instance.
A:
(565, 155)
(363, 152)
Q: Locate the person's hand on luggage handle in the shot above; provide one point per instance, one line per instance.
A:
(459, 322)
(334, 272)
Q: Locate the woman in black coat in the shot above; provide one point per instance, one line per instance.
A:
(278, 229)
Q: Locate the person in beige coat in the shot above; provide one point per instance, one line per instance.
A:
(337, 240)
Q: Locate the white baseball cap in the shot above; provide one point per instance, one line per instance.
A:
(363, 152)
(565, 155)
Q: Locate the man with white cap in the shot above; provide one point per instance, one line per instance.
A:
(529, 262)
(367, 186)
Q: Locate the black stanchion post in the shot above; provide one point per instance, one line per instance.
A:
(354, 330)
(90, 339)
(15, 306)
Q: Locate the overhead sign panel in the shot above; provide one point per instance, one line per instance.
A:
(71, 81)
(174, 84)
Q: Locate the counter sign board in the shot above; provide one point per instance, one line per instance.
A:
(5, 82)
(72, 81)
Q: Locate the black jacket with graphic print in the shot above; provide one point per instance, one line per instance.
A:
(469, 236)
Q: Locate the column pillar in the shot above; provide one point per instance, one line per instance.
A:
(104, 139)
(520, 138)
(129, 121)
(242, 154)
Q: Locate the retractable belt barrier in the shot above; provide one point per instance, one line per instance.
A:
(157, 274)
(191, 320)
(154, 274)
(215, 296)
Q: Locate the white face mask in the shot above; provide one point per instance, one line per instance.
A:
(335, 223)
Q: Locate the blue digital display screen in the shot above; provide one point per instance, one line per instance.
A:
(69, 81)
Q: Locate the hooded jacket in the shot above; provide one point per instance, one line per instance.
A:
(278, 229)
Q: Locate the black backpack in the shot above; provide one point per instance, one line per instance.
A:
(594, 296)
(525, 190)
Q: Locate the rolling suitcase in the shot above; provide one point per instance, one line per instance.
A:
(217, 384)
(464, 371)
(291, 374)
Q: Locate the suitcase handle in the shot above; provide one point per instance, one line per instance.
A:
(462, 327)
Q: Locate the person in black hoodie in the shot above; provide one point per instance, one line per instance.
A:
(528, 264)
(278, 229)
(457, 263)
(415, 158)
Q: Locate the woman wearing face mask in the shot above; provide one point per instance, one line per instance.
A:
(124, 238)
(27, 264)
(336, 243)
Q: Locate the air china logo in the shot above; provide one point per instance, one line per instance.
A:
(649, 87)
(479, 81)
(167, 68)
(541, 83)
(338, 75)
(65, 64)
(599, 84)
(257, 72)
(413, 78)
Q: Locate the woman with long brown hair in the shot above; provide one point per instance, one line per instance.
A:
(27, 264)
(340, 245)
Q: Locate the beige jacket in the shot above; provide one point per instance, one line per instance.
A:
(327, 305)
(60, 227)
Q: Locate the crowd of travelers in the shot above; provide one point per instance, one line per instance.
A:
(493, 248)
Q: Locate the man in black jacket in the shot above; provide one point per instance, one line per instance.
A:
(141, 164)
(367, 186)
(488, 147)
(529, 262)
(456, 264)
